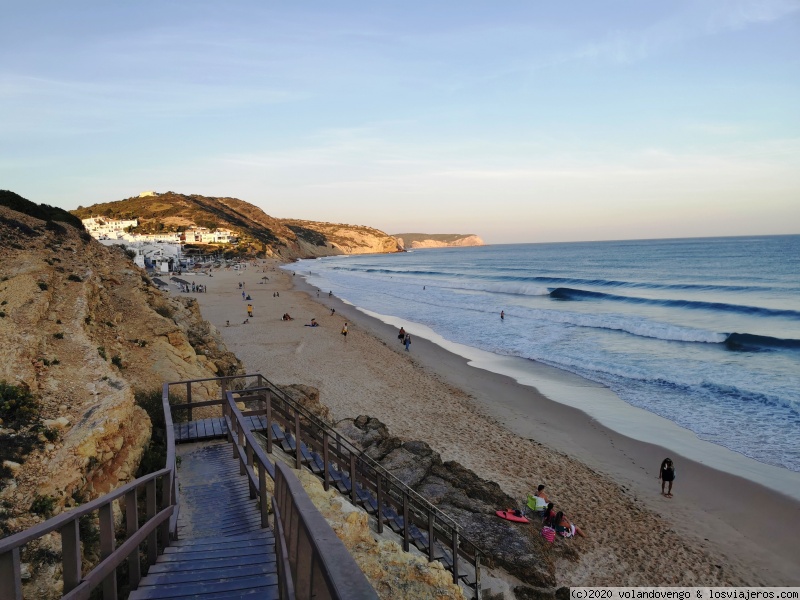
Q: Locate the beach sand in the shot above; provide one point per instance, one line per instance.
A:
(718, 529)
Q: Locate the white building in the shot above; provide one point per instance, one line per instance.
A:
(108, 229)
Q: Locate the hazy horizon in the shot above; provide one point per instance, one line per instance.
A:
(518, 123)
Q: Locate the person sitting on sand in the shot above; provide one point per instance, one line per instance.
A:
(666, 474)
(538, 501)
(564, 528)
(313, 323)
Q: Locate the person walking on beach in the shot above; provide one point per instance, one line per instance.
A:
(243, 295)
(401, 335)
(407, 341)
(344, 331)
(249, 310)
(666, 474)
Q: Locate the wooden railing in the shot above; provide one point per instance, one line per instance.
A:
(312, 561)
(312, 434)
(159, 526)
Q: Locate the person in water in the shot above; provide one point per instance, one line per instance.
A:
(502, 315)
(666, 474)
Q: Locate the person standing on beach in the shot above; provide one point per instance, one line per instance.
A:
(407, 341)
(249, 310)
(401, 335)
(667, 475)
(344, 331)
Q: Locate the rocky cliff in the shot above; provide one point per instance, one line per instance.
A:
(325, 239)
(437, 240)
(82, 329)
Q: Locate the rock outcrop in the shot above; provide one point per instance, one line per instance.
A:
(82, 328)
(471, 501)
(411, 241)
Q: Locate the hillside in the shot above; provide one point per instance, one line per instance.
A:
(437, 240)
(258, 232)
(83, 330)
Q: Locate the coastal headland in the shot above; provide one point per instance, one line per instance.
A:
(719, 529)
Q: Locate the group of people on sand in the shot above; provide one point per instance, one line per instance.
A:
(540, 504)
(404, 338)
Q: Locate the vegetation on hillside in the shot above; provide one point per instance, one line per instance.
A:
(257, 231)
(39, 211)
(177, 212)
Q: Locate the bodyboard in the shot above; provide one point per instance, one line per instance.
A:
(510, 516)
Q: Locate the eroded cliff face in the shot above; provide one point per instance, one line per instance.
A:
(467, 240)
(82, 328)
(316, 238)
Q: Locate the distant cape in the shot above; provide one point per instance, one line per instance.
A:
(437, 240)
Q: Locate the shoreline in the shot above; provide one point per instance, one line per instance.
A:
(714, 512)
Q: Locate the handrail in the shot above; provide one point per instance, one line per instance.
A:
(326, 566)
(352, 448)
(37, 531)
(414, 507)
(159, 525)
(321, 564)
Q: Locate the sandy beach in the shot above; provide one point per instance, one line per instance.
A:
(718, 529)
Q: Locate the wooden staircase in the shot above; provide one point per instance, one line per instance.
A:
(222, 551)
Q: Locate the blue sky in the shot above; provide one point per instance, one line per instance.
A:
(518, 121)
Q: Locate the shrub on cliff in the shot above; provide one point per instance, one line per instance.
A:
(18, 407)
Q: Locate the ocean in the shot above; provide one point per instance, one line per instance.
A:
(703, 332)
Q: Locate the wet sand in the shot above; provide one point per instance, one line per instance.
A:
(718, 528)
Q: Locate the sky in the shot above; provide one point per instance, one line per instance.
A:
(516, 121)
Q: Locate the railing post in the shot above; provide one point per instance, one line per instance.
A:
(298, 459)
(431, 536)
(71, 555)
(243, 442)
(166, 500)
(380, 502)
(11, 575)
(326, 480)
(455, 555)
(107, 544)
(132, 522)
(150, 503)
(477, 575)
(269, 421)
(353, 495)
(189, 400)
(262, 495)
(405, 521)
(249, 454)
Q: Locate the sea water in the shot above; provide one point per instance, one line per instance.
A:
(703, 332)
